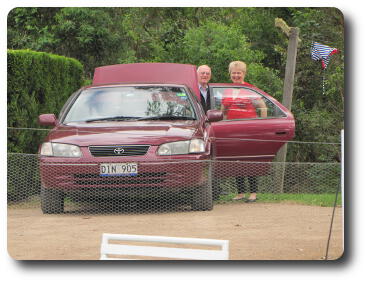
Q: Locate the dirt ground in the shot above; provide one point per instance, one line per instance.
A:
(258, 231)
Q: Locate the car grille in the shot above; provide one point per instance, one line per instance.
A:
(142, 178)
(119, 150)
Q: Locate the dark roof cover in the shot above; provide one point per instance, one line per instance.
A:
(167, 73)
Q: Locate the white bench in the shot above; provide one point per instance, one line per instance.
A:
(162, 252)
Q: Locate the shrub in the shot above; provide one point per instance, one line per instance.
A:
(22, 176)
(38, 83)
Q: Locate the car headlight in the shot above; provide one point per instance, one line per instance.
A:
(60, 150)
(182, 147)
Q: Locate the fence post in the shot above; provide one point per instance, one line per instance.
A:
(290, 69)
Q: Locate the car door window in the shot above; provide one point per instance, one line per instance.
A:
(239, 103)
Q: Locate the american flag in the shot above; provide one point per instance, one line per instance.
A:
(323, 53)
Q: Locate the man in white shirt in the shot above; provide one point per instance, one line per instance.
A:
(204, 74)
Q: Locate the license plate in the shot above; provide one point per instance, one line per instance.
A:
(118, 169)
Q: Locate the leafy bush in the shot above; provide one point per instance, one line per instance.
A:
(38, 83)
(23, 177)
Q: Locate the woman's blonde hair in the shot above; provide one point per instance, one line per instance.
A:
(239, 65)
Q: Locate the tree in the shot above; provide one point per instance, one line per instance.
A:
(91, 35)
(202, 35)
(319, 114)
(30, 28)
(217, 45)
(87, 34)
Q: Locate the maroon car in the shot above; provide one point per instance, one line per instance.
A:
(140, 129)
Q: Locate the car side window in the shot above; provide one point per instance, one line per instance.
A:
(239, 103)
(67, 104)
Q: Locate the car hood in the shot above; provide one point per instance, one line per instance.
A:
(126, 132)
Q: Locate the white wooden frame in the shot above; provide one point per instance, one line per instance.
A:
(162, 252)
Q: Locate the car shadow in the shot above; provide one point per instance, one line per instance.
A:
(134, 206)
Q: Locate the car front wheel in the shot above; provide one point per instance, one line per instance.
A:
(52, 201)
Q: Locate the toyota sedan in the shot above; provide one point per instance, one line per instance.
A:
(139, 129)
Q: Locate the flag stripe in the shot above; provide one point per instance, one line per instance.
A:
(323, 53)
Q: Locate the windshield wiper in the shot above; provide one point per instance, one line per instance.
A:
(166, 118)
(115, 118)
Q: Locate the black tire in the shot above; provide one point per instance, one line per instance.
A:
(202, 198)
(52, 201)
(217, 190)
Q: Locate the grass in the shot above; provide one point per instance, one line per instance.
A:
(307, 199)
(326, 200)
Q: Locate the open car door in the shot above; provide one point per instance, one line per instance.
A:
(254, 128)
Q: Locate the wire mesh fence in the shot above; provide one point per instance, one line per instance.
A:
(174, 185)
(129, 186)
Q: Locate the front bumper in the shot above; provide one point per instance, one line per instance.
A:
(170, 174)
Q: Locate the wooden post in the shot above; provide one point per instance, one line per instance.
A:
(290, 70)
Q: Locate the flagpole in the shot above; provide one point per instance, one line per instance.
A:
(323, 82)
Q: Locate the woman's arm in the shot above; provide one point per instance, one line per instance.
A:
(263, 109)
(260, 104)
(224, 109)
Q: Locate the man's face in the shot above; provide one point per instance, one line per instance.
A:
(204, 75)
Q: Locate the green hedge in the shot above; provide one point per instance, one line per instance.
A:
(38, 83)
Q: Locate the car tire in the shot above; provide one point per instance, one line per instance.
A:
(52, 201)
(217, 190)
(202, 198)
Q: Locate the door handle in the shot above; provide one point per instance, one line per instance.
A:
(281, 133)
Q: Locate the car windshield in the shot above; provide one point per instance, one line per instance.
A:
(131, 103)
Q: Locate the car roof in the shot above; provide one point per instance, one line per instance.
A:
(148, 73)
(248, 85)
(231, 84)
(132, 84)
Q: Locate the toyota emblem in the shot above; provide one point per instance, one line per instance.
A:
(118, 150)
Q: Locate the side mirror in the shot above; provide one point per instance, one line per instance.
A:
(47, 120)
(214, 115)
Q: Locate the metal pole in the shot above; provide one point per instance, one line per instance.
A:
(336, 197)
(342, 180)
